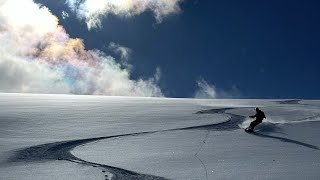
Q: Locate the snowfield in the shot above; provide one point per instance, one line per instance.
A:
(94, 137)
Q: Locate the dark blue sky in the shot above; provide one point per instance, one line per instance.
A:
(262, 49)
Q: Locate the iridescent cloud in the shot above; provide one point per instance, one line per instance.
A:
(37, 55)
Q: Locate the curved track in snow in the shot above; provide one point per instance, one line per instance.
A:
(61, 150)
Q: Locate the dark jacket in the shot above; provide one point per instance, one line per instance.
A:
(259, 115)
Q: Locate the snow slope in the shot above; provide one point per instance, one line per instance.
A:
(93, 137)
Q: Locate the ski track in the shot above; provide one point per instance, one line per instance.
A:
(62, 150)
(198, 152)
(288, 102)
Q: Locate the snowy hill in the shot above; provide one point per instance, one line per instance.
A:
(94, 137)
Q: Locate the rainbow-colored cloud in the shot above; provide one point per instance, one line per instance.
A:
(37, 54)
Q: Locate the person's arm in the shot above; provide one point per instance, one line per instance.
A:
(253, 116)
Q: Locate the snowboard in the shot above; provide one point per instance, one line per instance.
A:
(249, 130)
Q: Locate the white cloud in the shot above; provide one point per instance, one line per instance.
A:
(123, 51)
(157, 75)
(206, 90)
(20, 75)
(64, 15)
(37, 55)
(93, 11)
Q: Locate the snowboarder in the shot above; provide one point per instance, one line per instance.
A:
(259, 117)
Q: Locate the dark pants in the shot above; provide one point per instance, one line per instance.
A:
(254, 123)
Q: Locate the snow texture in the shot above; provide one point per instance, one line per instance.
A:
(94, 137)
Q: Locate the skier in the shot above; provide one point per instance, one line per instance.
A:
(259, 117)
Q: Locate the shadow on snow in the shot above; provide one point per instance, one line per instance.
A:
(285, 140)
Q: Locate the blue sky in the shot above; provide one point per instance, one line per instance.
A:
(247, 49)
